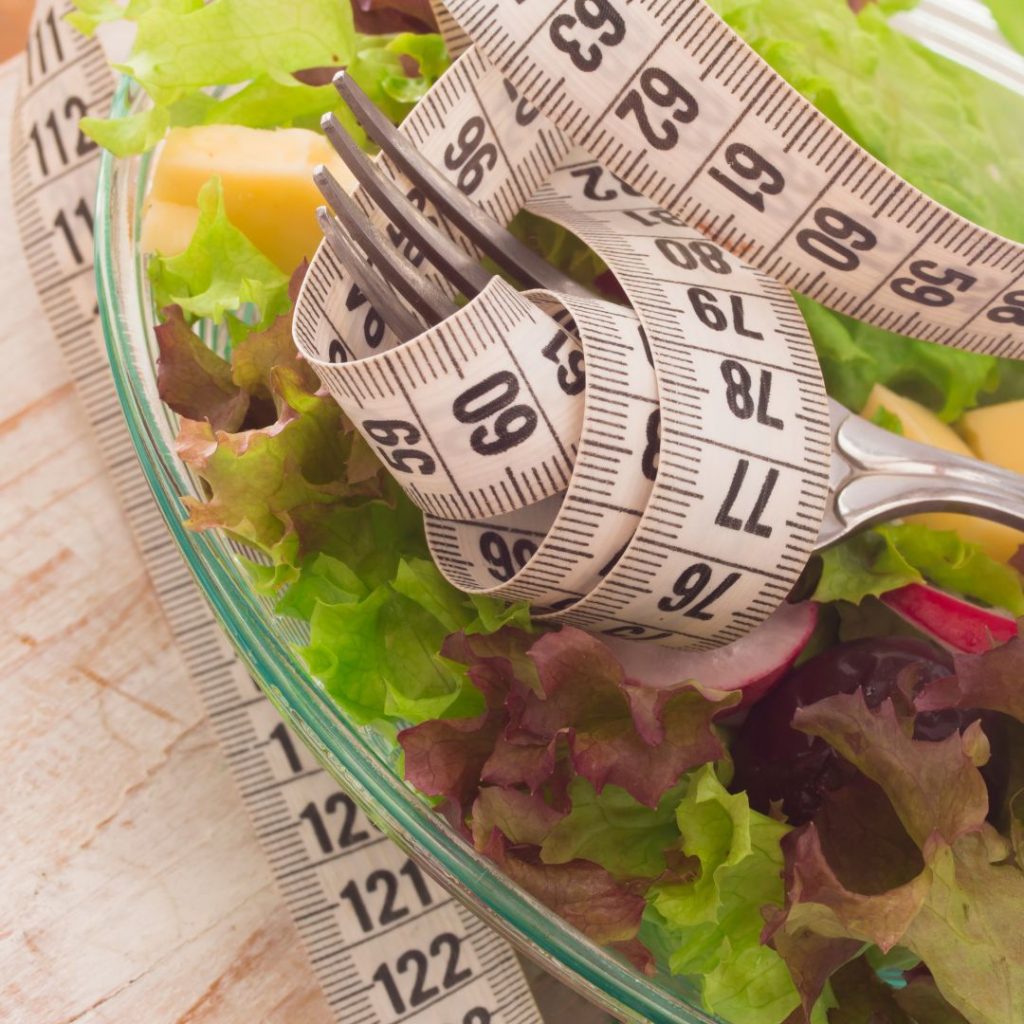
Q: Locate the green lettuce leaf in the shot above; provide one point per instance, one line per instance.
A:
(887, 420)
(379, 70)
(1009, 17)
(378, 655)
(894, 555)
(855, 356)
(220, 271)
(714, 921)
(611, 828)
(179, 47)
(183, 48)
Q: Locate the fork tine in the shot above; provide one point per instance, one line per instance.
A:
(377, 291)
(504, 248)
(457, 266)
(415, 289)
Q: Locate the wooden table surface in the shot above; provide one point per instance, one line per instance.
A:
(132, 888)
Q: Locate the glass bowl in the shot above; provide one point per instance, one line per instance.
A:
(356, 757)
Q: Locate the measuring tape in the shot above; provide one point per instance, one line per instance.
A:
(385, 941)
(656, 135)
(702, 445)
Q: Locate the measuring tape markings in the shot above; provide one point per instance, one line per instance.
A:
(639, 594)
(694, 432)
(777, 185)
(551, 558)
(426, 380)
(295, 806)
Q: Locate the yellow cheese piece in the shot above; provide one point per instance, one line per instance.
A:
(167, 228)
(266, 175)
(996, 433)
(921, 424)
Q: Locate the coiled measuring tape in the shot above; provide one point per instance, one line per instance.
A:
(675, 495)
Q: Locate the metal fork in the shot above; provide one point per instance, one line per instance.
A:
(875, 475)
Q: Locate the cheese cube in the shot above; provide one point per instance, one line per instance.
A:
(266, 175)
(996, 433)
(167, 228)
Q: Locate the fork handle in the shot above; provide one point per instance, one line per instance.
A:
(902, 477)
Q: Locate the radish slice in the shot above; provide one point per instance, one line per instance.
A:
(951, 621)
(753, 664)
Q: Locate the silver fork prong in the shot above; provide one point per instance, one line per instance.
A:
(456, 265)
(402, 323)
(414, 288)
(504, 248)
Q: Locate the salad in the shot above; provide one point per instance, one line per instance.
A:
(823, 822)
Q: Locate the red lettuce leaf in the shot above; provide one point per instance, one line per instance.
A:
(993, 680)
(582, 893)
(635, 737)
(523, 818)
(193, 380)
(376, 17)
(812, 959)
(864, 840)
(864, 998)
(446, 757)
(926, 1004)
(961, 914)
(933, 786)
(564, 691)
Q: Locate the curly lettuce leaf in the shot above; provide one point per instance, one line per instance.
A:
(862, 997)
(855, 356)
(993, 680)
(582, 893)
(635, 737)
(220, 271)
(891, 556)
(513, 827)
(611, 828)
(449, 757)
(714, 921)
(267, 54)
(558, 706)
(961, 913)
(522, 818)
(193, 380)
(180, 47)
(381, 70)
(381, 16)
(378, 655)
(1009, 17)
(925, 1003)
